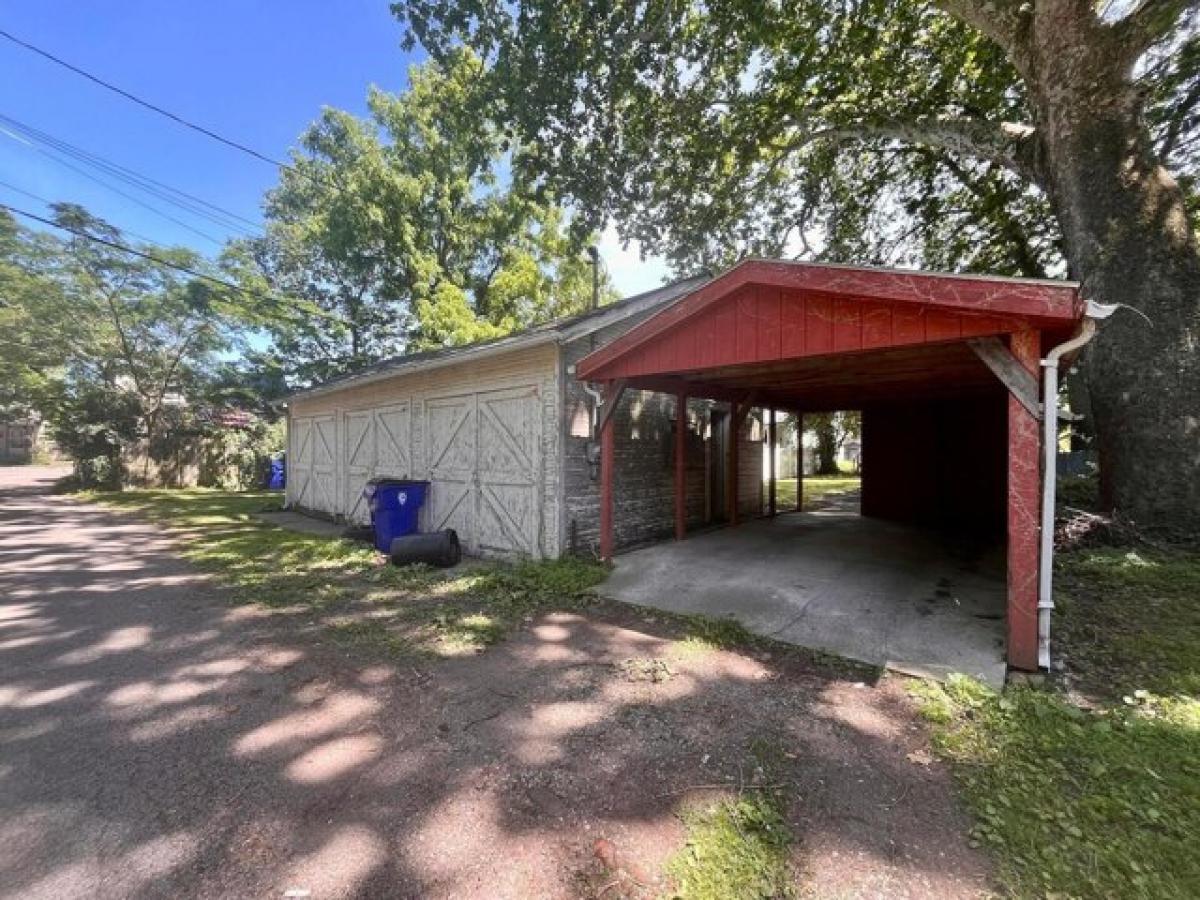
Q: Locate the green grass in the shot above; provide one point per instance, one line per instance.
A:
(736, 849)
(816, 487)
(1129, 619)
(1076, 803)
(414, 609)
(1099, 799)
(704, 634)
(1093, 792)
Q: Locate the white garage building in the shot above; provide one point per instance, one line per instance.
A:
(500, 429)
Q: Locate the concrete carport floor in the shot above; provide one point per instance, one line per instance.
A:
(884, 593)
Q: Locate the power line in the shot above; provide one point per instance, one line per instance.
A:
(180, 120)
(116, 245)
(116, 190)
(40, 199)
(219, 215)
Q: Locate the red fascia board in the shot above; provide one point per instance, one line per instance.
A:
(1041, 303)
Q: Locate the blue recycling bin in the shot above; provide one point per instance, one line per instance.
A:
(277, 479)
(394, 505)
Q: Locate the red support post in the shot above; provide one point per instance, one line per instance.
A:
(607, 447)
(681, 423)
(799, 462)
(1024, 502)
(771, 448)
(731, 476)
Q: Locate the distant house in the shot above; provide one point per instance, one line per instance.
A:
(21, 439)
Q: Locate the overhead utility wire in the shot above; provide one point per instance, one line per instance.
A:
(116, 245)
(116, 190)
(40, 199)
(178, 119)
(180, 198)
(143, 103)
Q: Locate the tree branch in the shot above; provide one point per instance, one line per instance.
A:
(1000, 20)
(1148, 23)
(1008, 144)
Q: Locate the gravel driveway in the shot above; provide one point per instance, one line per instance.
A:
(159, 741)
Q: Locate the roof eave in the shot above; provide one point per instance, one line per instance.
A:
(466, 354)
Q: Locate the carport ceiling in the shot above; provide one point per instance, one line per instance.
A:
(844, 381)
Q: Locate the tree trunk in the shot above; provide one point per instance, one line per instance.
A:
(1129, 241)
(826, 444)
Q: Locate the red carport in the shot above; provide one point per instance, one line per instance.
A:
(922, 355)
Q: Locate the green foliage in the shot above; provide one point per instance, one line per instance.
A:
(844, 130)
(832, 430)
(1080, 492)
(110, 348)
(238, 459)
(752, 128)
(397, 231)
(1075, 803)
(35, 319)
(735, 850)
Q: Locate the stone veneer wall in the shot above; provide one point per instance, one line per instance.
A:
(644, 488)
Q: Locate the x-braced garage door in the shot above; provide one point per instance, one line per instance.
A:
(313, 468)
(377, 443)
(484, 457)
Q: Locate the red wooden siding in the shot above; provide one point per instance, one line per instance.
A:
(761, 323)
(784, 310)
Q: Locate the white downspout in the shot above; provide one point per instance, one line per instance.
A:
(1050, 470)
(597, 402)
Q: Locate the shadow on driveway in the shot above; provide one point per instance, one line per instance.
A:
(159, 741)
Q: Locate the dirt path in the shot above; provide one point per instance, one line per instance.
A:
(159, 742)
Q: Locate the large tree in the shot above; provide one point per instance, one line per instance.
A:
(114, 344)
(1039, 130)
(403, 230)
(36, 321)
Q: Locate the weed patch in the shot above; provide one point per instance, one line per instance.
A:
(736, 850)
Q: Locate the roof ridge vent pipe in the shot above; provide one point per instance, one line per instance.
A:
(1087, 330)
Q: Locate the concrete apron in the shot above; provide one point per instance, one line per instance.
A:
(878, 592)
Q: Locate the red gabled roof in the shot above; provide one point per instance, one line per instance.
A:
(765, 311)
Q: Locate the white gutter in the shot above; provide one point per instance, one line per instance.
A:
(1087, 331)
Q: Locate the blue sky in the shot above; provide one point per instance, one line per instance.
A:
(258, 72)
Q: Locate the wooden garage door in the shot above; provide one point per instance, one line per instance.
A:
(358, 431)
(393, 441)
(313, 463)
(376, 442)
(483, 455)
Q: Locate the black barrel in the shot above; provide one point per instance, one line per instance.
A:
(437, 548)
